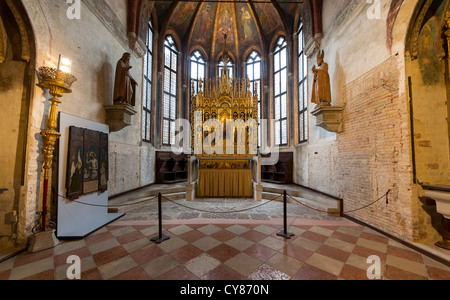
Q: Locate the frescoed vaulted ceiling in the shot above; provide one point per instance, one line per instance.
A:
(204, 24)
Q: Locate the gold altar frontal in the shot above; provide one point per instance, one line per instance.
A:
(224, 183)
(224, 178)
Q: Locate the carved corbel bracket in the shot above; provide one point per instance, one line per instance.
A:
(119, 116)
(329, 118)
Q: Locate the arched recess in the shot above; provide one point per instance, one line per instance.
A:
(428, 81)
(17, 84)
(418, 39)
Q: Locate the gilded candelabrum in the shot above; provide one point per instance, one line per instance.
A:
(58, 83)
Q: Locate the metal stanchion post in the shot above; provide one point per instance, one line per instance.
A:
(284, 232)
(161, 237)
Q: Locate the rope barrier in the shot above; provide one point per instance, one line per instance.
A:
(319, 210)
(385, 195)
(221, 212)
(358, 209)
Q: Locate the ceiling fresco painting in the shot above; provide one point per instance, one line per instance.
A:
(204, 24)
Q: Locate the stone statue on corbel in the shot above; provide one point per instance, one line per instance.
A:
(118, 115)
(327, 116)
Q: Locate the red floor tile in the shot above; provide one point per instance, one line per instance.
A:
(438, 274)
(99, 237)
(308, 272)
(223, 235)
(92, 274)
(185, 253)
(26, 257)
(223, 252)
(404, 253)
(297, 252)
(374, 237)
(178, 273)
(133, 274)
(109, 255)
(192, 236)
(344, 237)
(147, 254)
(260, 252)
(352, 273)
(61, 259)
(130, 237)
(314, 236)
(254, 236)
(223, 272)
(366, 252)
(333, 253)
(394, 273)
(46, 275)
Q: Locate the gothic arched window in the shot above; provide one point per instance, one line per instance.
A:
(148, 87)
(170, 91)
(280, 92)
(230, 66)
(302, 87)
(253, 70)
(198, 68)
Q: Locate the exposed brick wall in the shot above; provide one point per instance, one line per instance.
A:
(371, 155)
(374, 150)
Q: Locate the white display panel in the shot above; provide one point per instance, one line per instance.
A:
(74, 219)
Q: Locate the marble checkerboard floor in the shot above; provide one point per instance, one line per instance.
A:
(228, 251)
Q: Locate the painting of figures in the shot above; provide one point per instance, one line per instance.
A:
(91, 163)
(103, 163)
(75, 163)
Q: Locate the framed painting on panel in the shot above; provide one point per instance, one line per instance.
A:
(103, 163)
(74, 177)
(91, 161)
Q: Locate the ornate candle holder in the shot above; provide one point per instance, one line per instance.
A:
(58, 83)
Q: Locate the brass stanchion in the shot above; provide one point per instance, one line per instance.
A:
(161, 237)
(284, 232)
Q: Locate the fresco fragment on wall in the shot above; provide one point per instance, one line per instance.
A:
(248, 32)
(225, 26)
(270, 21)
(429, 49)
(182, 17)
(204, 25)
(146, 12)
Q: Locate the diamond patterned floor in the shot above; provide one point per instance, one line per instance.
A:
(227, 252)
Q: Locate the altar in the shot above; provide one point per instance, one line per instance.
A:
(225, 114)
